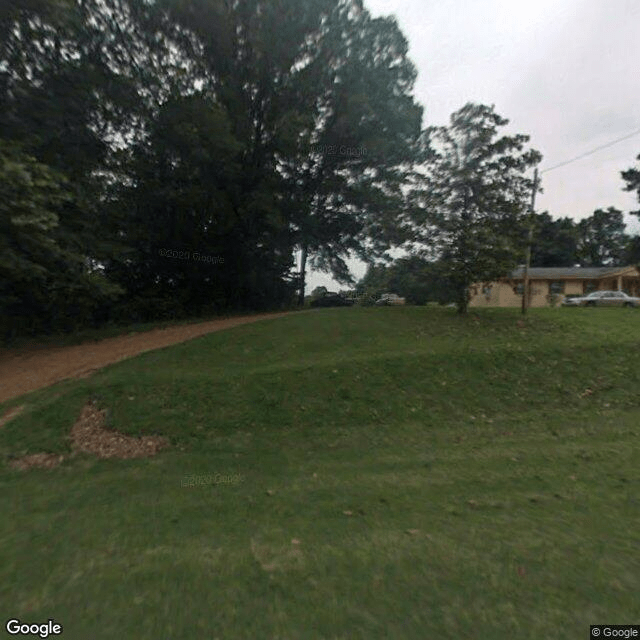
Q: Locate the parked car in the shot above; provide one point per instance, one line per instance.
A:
(331, 300)
(603, 299)
(390, 299)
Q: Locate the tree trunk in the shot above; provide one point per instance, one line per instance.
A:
(463, 300)
(303, 269)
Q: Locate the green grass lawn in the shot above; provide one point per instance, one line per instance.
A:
(362, 474)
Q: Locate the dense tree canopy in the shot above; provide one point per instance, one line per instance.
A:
(555, 242)
(602, 240)
(238, 131)
(596, 241)
(44, 276)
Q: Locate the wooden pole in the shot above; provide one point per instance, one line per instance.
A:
(525, 291)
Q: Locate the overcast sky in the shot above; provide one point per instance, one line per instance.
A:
(562, 71)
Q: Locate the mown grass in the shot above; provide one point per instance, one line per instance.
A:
(440, 477)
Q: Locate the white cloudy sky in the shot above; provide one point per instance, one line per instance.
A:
(563, 71)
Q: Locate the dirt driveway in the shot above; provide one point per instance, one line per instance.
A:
(25, 370)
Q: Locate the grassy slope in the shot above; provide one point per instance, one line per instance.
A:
(489, 495)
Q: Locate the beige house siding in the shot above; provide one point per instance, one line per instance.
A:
(539, 293)
(504, 293)
(500, 295)
(573, 287)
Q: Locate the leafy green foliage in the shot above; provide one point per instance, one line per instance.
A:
(555, 242)
(44, 280)
(602, 239)
(632, 254)
(206, 127)
(475, 196)
(347, 139)
(319, 292)
(413, 278)
(599, 240)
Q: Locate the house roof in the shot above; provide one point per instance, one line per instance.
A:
(552, 273)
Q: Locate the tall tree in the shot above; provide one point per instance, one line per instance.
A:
(602, 240)
(555, 242)
(475, 197)
(346, 173)
(320, 96)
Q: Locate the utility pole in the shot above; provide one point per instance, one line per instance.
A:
(525, 292)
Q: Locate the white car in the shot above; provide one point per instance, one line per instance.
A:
(390, 299)
(603, 299)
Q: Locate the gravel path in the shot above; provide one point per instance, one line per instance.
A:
(25, 370)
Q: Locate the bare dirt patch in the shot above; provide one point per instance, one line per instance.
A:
(37, 460)
(27, 369)
(88, 435)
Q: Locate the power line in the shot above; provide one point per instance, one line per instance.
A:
(588, 153)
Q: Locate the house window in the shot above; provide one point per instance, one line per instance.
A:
(556, 287)
(486, 291)
(519, 289)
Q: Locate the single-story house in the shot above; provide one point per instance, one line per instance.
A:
(549, 285)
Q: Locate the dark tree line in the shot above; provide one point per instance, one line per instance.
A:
(596, 241)
(238, 130)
